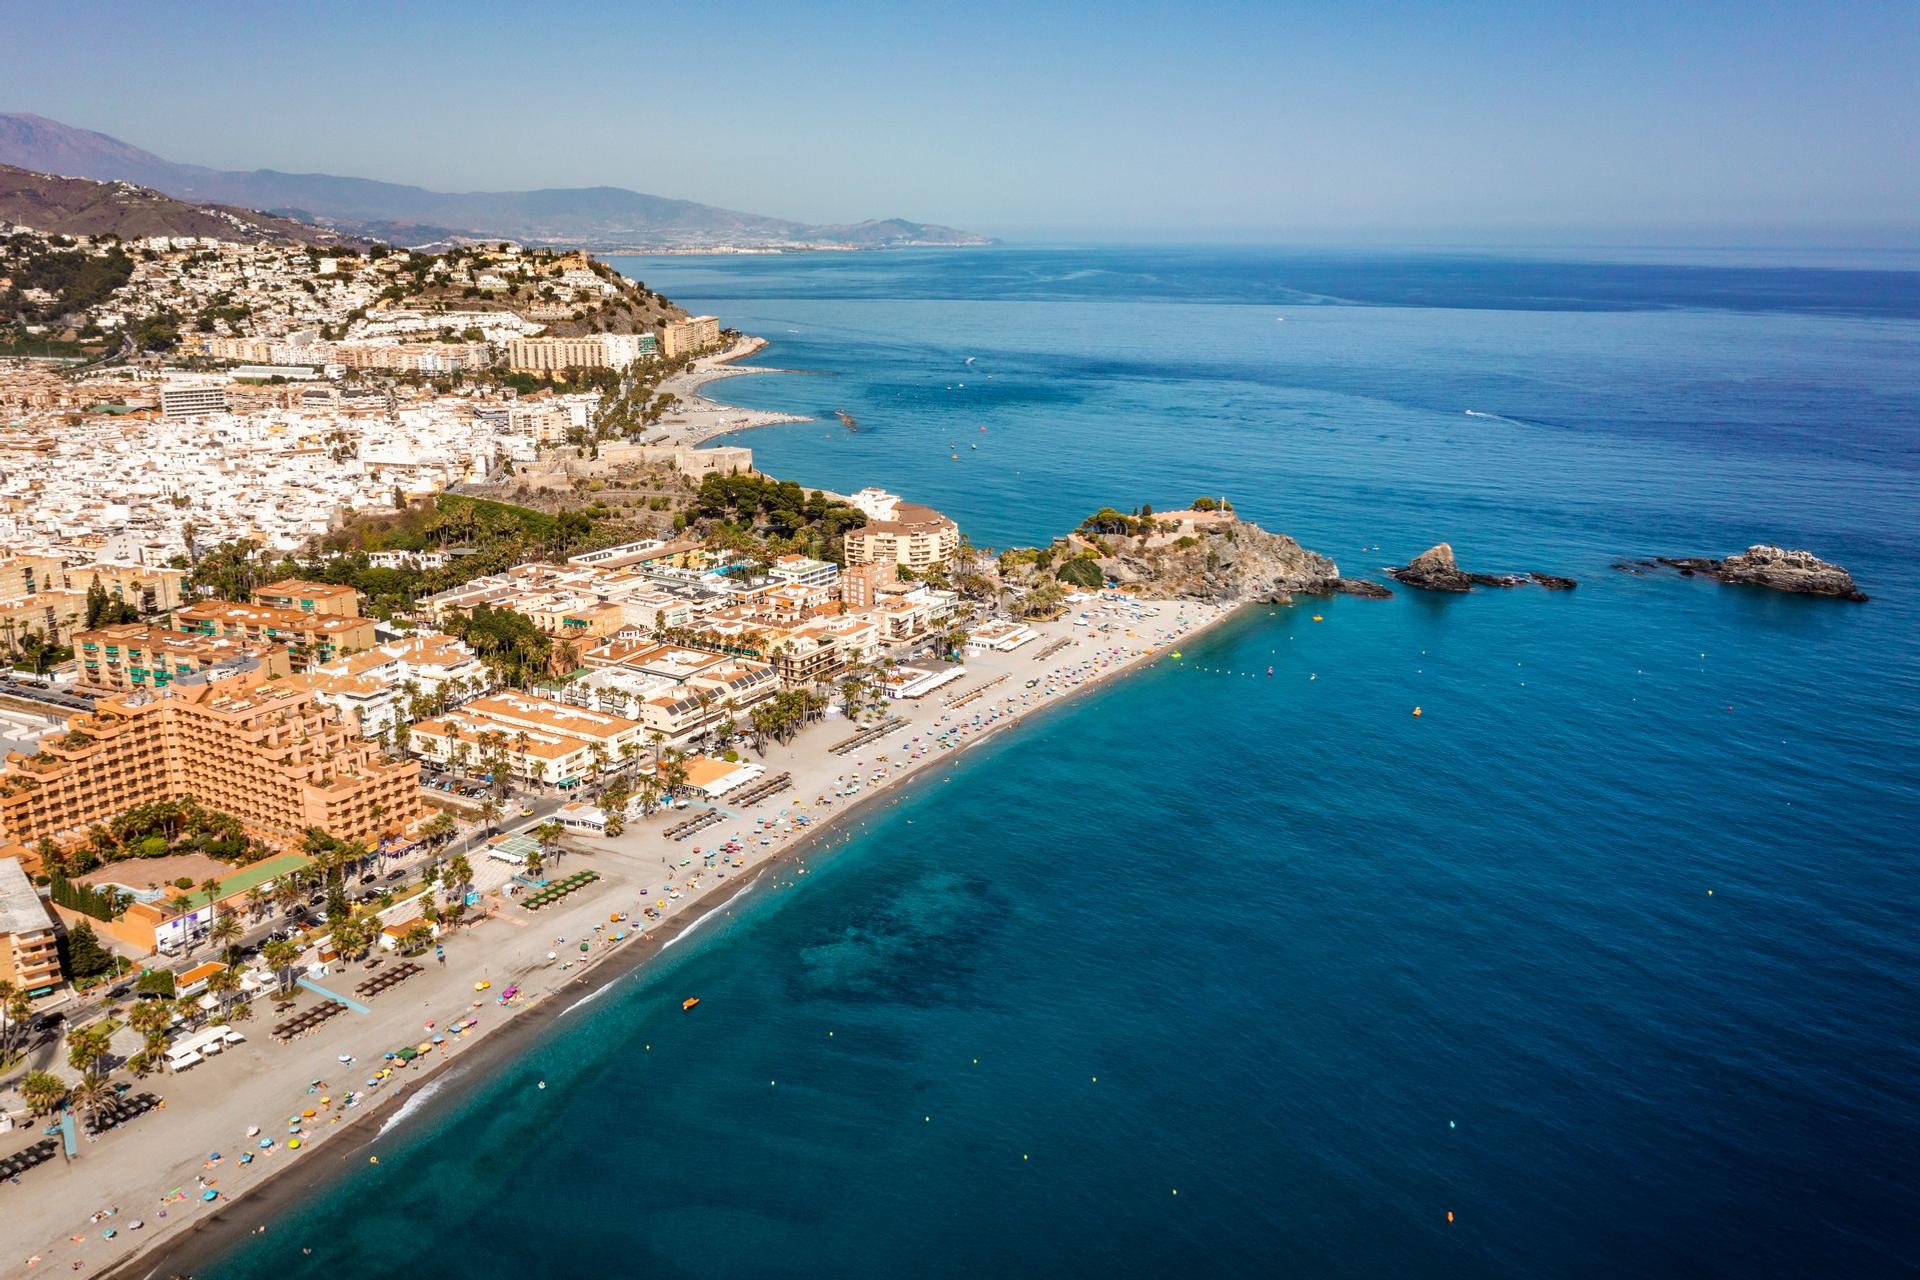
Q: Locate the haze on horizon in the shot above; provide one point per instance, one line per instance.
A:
(1713, 123)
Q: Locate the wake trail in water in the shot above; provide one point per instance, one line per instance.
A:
(1495, 417)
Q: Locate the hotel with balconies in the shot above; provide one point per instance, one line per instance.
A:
(267, 752)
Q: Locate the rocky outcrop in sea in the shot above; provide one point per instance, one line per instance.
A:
(1778, 569)
(1436, 570)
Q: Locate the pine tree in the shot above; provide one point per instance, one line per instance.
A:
(85, 956)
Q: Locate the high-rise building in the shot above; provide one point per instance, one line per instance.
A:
(177, 403)
(267, 752)
(915, 537)
(134, 655)
(698, 333)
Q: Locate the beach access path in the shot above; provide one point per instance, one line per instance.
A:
(156, 1168)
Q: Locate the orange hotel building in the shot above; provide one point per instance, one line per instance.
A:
(267, 752)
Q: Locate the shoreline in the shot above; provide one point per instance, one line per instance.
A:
(700, 419)
(195, 1241)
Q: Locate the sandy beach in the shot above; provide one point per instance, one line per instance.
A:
(698, 419)
(157, 1169)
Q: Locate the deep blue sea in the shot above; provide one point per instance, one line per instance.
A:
(1614, 953)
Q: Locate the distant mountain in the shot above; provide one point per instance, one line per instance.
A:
(590, 217)
(84, 207)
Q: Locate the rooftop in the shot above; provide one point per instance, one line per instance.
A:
(21, 910)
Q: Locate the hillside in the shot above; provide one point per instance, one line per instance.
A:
(84, 207)
(587, 217)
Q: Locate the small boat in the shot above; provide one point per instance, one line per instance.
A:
(687, 1004)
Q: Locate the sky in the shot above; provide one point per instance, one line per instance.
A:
(1630, 123)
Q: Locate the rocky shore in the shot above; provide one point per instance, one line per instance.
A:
(1778, 569)
(1436, 570)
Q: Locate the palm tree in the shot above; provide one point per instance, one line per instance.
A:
(256, 902)
(548, 834)
(458, 874)
(92, 1093)
(87, 1045)
(280, 955)
(224, 985)
(226, 931)
(43, 1091)
(490, 811)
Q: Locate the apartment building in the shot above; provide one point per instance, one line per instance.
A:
(46, 595)
(861, 584)
(134, 655)
(179, 404)
(266, 752)
(804, 571)
(590, 351)
(916, 537)
(29, 938)
(676, 691)
(372, 690)
(698, 333)
(543, 740)
(311, 638)
(324, 598)
(150, 590)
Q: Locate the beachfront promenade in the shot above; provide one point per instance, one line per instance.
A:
(157, 1168)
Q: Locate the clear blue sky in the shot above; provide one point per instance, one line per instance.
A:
(1578, 121)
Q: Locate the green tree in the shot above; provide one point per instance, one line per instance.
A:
(86, 958)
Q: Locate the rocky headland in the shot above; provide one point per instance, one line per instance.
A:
(1204, 553)
(1436, 570)
(1778, 569)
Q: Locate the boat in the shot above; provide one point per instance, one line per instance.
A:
(687, 1004)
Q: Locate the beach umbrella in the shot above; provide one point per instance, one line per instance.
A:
(209, 1194)
(265, 1143)
(294, 1145)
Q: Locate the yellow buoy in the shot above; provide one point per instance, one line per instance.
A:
(1416, 711)
(1316, 618)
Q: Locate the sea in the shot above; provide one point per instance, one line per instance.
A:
(1607, 963)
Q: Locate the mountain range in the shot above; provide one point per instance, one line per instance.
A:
(586, 217)
(85, 207)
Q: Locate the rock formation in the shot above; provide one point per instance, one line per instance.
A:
(1435, 570)
(1799, 572)
(1230, 561)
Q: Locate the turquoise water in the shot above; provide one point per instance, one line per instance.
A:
(1327, 970)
